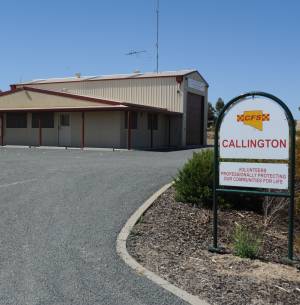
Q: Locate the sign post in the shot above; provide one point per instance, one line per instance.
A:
(254, 153)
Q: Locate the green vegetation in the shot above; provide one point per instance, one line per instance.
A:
(298, 155)
(194, 182)
(297, 239)
(219, 105)
(246, 244)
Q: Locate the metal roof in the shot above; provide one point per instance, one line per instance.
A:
(110, 77)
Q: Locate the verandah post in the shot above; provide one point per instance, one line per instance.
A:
(129, 130)
(2, 129)
(82, 130)
(40, 130)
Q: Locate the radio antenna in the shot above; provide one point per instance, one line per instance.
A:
(135, 52)
(157, 35)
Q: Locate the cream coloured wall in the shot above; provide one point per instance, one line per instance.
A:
(50, 135)
(156, 92)
(30, 136)
(176, 131)
(102, 129)
(34, 100)
(76, 127)
(141, 137)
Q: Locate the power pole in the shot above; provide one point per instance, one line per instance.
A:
(157, 35)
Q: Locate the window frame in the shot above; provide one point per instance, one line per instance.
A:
(45, 123)
(13, 121)
(61, 120)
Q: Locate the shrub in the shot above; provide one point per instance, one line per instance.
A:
(194, 182)
(298, 171)
(246, 244)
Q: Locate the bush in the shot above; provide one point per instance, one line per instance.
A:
(194, 182)
(246, 244)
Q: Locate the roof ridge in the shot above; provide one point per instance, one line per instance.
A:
(168, 73)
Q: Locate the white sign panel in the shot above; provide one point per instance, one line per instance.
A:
(194, 84)
(254, 129)
(258, 175)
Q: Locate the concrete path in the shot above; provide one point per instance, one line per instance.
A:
(60, 214)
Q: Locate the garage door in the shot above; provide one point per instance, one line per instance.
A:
(194, 119)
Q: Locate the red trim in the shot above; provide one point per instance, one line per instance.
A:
(169, 131)
(151, 129)
(13, 87)
(129, 130)
(82, 130)
(10, 91)
(179, 79)
(64, 109)
(2, 129)
(40, 131)
(75, 96)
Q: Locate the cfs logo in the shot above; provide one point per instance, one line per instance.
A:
(253, 118)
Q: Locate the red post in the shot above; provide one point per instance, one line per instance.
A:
(40, 131)
(169, 133)
(2, 129)
(82, 130)
(151, 130)
(129, 130)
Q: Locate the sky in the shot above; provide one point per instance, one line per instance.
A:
(237, 45)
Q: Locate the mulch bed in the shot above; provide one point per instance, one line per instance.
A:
(172, 239)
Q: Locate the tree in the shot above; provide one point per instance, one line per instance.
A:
(211, 116)
(219, 105)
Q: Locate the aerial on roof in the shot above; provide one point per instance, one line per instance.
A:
(79, 78)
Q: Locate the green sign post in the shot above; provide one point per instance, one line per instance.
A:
(254, 153)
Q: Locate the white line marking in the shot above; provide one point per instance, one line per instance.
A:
(17, 182)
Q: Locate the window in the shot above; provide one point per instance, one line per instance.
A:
(47, 120)
(65, 119)
(16, 120)
(134, 119)
(152, 121)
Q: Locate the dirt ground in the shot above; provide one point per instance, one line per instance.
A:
(172, 239)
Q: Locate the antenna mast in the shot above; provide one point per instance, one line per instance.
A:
(157, 32)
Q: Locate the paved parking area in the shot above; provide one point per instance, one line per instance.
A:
(60, 214)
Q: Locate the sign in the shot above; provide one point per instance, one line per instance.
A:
(254, 153)
(197, 85)
(257, 175)
(250, 130)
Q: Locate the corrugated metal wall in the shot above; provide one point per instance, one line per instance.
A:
(157, 92)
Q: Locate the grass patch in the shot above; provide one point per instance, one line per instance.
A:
(246, 243)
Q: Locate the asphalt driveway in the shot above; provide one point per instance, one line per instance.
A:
(60, 214)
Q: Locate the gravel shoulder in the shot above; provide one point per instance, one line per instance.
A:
(172, 239)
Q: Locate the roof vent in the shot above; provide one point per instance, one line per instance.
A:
(78, 74)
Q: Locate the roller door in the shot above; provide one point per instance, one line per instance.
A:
(194, 119)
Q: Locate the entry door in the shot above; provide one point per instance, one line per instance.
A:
(64, 129)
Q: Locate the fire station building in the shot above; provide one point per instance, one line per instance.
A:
(139, 110)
